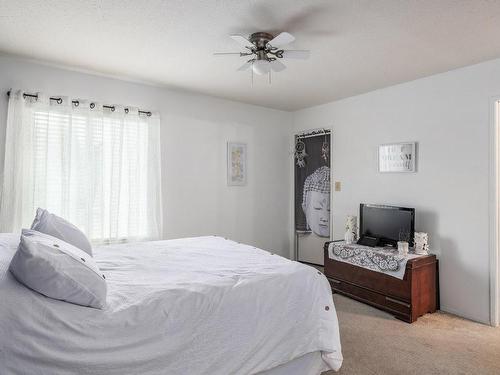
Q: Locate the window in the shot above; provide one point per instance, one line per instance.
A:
(99, 168)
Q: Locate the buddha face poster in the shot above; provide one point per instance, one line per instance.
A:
(312, 186)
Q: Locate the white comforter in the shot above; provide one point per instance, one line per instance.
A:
(191, 306)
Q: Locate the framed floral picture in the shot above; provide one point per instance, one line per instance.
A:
(236, 164)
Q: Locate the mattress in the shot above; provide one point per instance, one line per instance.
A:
(203, 305)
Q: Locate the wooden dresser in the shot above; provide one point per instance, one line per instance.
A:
(407, 299)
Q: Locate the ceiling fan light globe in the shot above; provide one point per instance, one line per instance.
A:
(261, 67)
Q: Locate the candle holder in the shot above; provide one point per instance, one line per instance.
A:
(351, 230)
(421, 243)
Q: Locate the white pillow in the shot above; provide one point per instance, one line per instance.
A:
(58, 270)
(56, 226)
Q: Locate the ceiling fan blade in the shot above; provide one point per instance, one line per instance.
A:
(226, 53)
(245, 66)
(277, 66)
(297, 54)
(281, 39)
(242, 41)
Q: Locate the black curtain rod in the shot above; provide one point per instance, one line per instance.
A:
(313, 133)
(77, 103)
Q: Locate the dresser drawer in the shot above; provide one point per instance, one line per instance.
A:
(369, 279)
(396, 305)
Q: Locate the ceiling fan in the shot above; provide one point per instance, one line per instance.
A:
(264, 49)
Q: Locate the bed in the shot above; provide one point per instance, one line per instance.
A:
(203, 305)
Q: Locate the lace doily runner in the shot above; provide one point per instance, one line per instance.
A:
(380, 259)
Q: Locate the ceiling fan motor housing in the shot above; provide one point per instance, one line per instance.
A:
(260, 40)
(262, 47)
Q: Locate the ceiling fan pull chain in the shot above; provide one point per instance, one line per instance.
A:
(252, 74)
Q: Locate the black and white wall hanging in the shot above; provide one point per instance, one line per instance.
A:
(312, 183)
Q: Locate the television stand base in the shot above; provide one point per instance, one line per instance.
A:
(407, 299)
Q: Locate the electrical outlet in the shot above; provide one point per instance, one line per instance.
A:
(338, 186)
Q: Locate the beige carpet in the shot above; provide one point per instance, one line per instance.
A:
(374, 342)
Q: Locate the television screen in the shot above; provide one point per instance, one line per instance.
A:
(388, 223)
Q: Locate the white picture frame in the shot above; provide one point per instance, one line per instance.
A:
(397, 157)
(236, 164)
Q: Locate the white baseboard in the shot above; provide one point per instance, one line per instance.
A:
(464, 316)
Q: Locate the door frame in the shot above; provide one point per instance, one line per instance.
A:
(494, 210)
(293, 236)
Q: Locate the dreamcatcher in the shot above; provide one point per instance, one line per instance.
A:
(325, 150)
(300, 153)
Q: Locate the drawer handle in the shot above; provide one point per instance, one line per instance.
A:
(398, 302)
(335, 281)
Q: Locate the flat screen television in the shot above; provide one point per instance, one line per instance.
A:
(389, 224)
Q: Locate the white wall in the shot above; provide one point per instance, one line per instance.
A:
(448, 115)
(194, 133)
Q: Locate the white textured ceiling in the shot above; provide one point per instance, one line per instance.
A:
(357, 45)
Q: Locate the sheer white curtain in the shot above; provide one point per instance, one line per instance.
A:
(98, 168)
